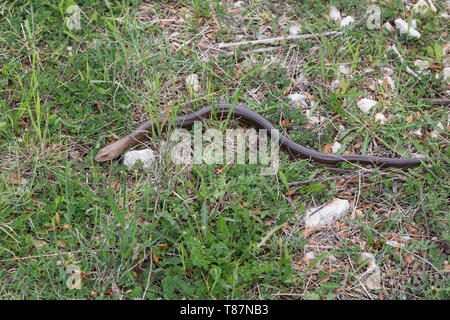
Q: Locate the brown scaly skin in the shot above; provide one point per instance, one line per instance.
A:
(114, 150)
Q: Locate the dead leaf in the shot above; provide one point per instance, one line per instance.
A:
(285, 123)
(14, 178)
(327, 148)
(409, 258)
(410, 118)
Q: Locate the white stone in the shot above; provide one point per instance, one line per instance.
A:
(333, 210)
(388, 71)
(432, 6)
(423, 7)
(346, 21)
(297, 99)
(336, 146)
(238, 4)
(435, 133)
(311, 117)
(193, 83)
(366, 104)
(446, 74)
(335, 84)
(332, 258)
(334, 15)
(380, 117)
(146, 156)
(389, 81)
(388, 27)
(418, 132)
(294, 30)
(402, 26)
(310, 255)
(422, 64)
(344, 69)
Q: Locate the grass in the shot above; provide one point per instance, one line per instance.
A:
(215, 232)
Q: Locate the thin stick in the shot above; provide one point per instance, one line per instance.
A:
(272, 40)
(439, 101)
(149, 273)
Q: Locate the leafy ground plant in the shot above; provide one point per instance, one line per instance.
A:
(77, 75)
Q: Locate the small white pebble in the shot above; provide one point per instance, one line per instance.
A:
(294, 29)
(297, 98)
(344, 69)
(418, 132)
(193, 83)
(366, 104)
(387, 71)
(444, 15)
(446, 74)
(336, 146)
(346, 21)
(402, 26)
(334, 15)
(388, 27)
(333, 210)
(312, 118)
(238, 4)
(389, 81)
(381, 117)
(310, 255)
(146, 156)
(335, 84)
(423, 7)
(435, 133)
